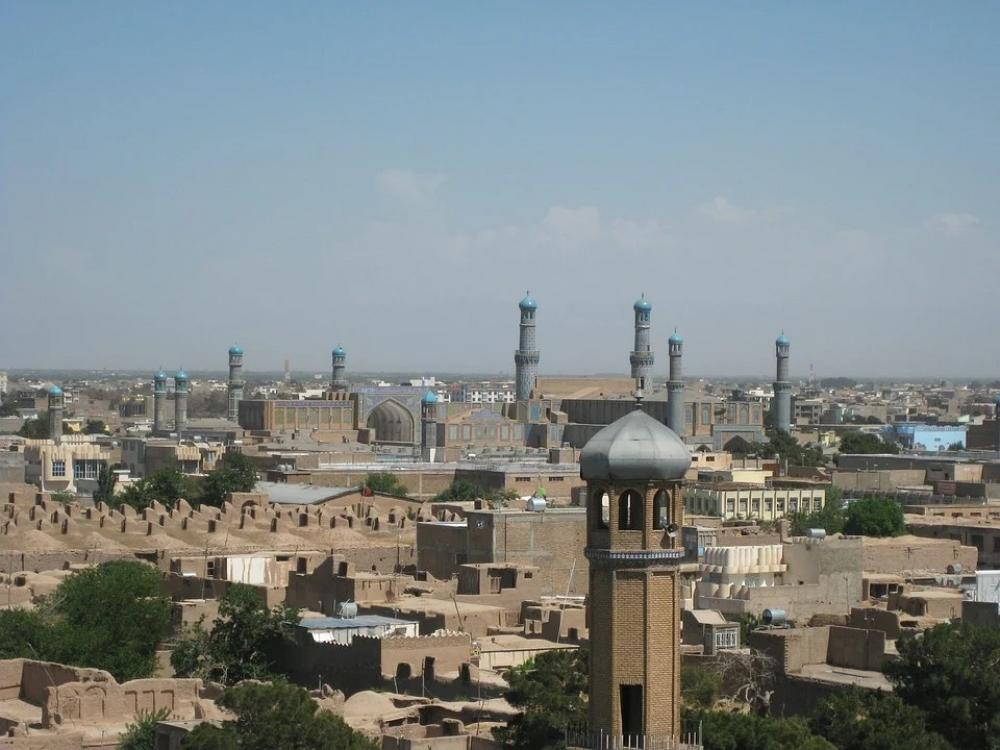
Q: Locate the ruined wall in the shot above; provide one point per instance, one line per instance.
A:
(856, 648)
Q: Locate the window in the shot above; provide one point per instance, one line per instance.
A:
(78, 469)
(706, 413)
(996, 544)
(630, 511)
(601, 510)
(661, 510)
(58, 468)
(977, 541)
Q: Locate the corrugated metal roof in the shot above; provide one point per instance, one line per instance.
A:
(299, 494)
(340, 623)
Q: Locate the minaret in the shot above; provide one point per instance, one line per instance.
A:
(180, 402)
(675, 386)
(996, 423)
(634, 468)
(428, 422)
(641, 357)
(236, 382)
(338, 381)
(526, 356)
(782, 388)
(159, 402)
(55, 413)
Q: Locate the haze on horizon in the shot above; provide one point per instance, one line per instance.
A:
(175, 178)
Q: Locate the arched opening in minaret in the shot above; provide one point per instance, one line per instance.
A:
(630, 511)
(661, 510)
(601, 509)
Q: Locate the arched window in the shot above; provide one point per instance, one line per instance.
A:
(601, 510)
(630, 510)
(661, 510)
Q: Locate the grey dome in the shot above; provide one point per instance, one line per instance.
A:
(635, 447)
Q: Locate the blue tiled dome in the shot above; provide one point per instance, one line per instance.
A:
(160, 375)
(642, 304)
(55, 391)
(181, 375)
(782, 340)
(235, 350)
(676, 338)
(339, 352)
(430, 398)
(528, 303)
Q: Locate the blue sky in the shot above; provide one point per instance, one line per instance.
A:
(176, 177)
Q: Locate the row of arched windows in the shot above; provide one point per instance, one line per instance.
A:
(631, 510)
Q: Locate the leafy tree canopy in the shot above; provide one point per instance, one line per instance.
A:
(166, 486)
(141, 735)
(275, 715)
(866, 720)
(699, 687)
(876, 516)
(245, 641)
(37, 428)
(461, 490)
(950, 672)
(95, 427)
(551, 692)
(742, 731)
(865, 442)
(830, 517)
(385, 482)
(233, 473)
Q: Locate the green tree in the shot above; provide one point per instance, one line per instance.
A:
(141, 735)
(233, 473)
(865, 442)
(551, 692)
(699, 687)
(385, 482)
(23, 634)
(463, 491)
(275, 716)
(877, 516)
(956, 446)
(165, 485)
(950, 673)
(865, 720)
(245, 641)
(110, 617)
(35, 429)
(831, 517)
(95, 427)
(741, 731)
(105, 490)
(783, 446)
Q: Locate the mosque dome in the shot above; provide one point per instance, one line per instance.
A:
(635, 447)
(181, 375)
(339, 351)
(528, 303)
(160, 375)
(429, 398)
(235, 350)
(55, 391)
(676, 338)
(782, 340)
(642, 304)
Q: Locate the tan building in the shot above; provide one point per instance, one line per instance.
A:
(732, 500)
(72, 464)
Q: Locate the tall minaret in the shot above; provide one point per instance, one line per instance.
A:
(338, 380)
(782, 388)
(55, 413)
(236, 382)
(526, 356)
(996, 423)
(641, 357)
(180, 402)
(428, 421)
(634, 469)
(159, 402)
(675, 386)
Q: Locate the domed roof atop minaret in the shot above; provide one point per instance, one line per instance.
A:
(635, 447)
(676, 338)
(528, 303)
(642, 303)
(429, 398)
(782, 340)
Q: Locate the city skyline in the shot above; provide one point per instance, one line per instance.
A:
(291, 181)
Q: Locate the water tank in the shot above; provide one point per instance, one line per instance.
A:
(347, 610)
(816, 533)
(536, 503)
(774, 617)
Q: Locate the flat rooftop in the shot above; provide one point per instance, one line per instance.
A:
(347, 623)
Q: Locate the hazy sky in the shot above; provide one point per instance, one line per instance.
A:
(176, 177)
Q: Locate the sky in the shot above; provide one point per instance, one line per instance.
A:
(178, 177)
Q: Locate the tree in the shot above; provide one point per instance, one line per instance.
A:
(35, 429)
(22, 634)
(95, 427)
(740, 731)
(699, 687)
(865, 442)
(273, 716)
(877, 516)
(830, 517)
(551, 692)
(463, 491)
(865, 720)
(956, 446)
(141, 735)
(110, 617)
(165, 485)
(385, 482)
(105, 490)
(950, 672)
(245, 641)
(233, 473)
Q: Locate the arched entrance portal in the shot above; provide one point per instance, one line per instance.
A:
(392, 423)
